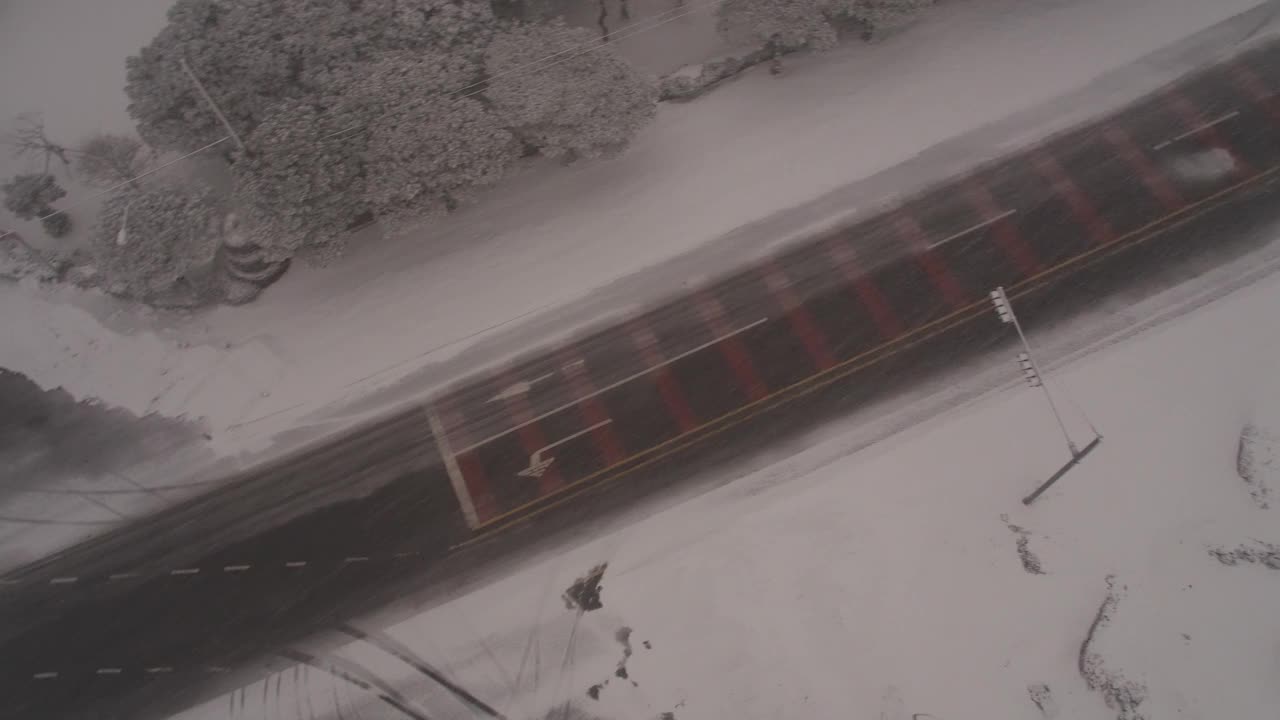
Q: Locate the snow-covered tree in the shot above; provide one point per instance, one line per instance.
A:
(794, 24)
(429, 146)
(878, 16)
(252, 54)
(303, 183)
(778, 24)
(107, 159)
(560, 99)
(147, 242)
(390, 137)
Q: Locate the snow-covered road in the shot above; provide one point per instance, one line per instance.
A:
(907, 579)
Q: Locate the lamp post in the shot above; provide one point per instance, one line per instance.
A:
(122, 236)
(1031, 373)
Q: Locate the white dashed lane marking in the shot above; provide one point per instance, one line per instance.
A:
(189, 571)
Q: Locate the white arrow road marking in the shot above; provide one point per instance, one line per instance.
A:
(538, 464)
(519, 388)
(611, 386)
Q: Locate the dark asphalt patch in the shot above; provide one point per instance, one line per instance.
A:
(584, 593)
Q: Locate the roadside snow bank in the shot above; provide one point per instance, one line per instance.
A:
(1258, 459)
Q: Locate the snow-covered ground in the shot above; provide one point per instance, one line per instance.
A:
(907, 579)
(750, 149)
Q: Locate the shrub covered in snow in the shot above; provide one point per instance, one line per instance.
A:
(19, 260)
(875, 17)
(693, 80)
(158, 245)
(32, 195)
(780, 24)
(582, 104)
(56, 225)
(428, 147)
(794, 24)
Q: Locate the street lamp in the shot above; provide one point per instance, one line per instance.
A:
(122, 236)
(1030, 371)
(1034, 378)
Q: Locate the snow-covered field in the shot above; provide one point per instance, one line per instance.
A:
(751, 148)
(907, 579)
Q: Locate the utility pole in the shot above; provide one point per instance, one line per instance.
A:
(216, 111)
(1031, 373)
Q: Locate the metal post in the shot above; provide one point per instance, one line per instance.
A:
(1071, 446)
(209, 99)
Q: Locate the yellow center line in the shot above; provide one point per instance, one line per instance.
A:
(845, 368)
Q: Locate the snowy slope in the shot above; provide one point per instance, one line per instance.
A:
(900, 581)
(750, 149)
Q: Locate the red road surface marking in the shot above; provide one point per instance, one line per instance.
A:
(1004, 230)
(802, 323)
(886, 320)
(713, 314)
(593, 411)
(668, 387)
(937, 270)
(1060, 182)
(1246, 79)
(1156, 182)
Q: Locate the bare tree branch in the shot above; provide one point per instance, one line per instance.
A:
(28, 139)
